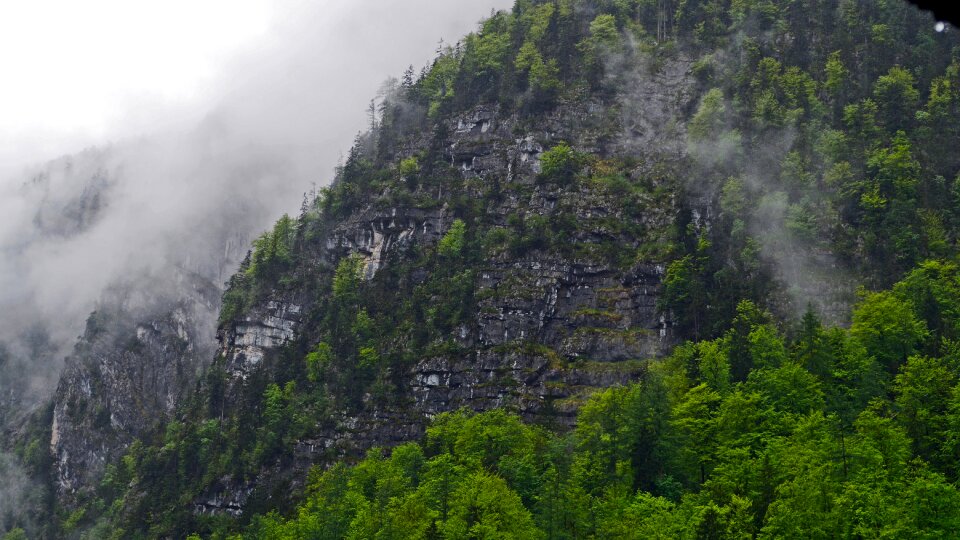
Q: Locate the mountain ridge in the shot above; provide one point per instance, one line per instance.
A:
(545, 212)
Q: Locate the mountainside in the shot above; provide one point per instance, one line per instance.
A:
(405, 311)
(130, 369)
(95, 230)
(553, 208)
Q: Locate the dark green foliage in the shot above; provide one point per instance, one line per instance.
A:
(684, 294)
(271, 258)
(560, 164)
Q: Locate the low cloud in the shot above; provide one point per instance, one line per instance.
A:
(186, 186)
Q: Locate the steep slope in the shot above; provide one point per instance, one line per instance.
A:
(136, 359)
(138, 231)
(407, 309)
(556, 201)
(815, 441)
(63, 199)
(500, 326)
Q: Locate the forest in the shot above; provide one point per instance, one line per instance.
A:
(814, 387)
(820, 433)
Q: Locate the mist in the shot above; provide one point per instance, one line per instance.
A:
(163, 191)
(183, 186)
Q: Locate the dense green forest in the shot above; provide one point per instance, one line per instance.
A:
(822, 130)
(814, 432)
(828, 433)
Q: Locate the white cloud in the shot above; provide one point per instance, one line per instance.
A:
(66, 62)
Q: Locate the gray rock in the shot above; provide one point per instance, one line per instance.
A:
(137, 358)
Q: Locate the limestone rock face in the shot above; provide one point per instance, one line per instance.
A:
(548, 328)
(135, 361)
(261, 330)
(87, 233)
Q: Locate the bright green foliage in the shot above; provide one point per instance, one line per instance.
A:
(888, 328)
(480, 439)
(749, 434)
(714, 366)
(409, 167)
(537, 18)
(791, 451)
(484, 506)
(438, 85)
(788, 388)
(317, 360)
(710, 119)
(272, 251)
(603, 29)
(933, 289)
(492, 46)
(923, 390)
(604, 39)
(451, 245)
(694, 423)
(560, 164)
(413, 495)
(897, 98)
(15, 534)
(542, 74)
(347, 278)
(771, 107)
(544, 78)
(765, 348)
(837, 74)
(277, 420)
(527, 56)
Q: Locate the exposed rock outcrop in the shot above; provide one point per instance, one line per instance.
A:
(136, 359)
(548, 328)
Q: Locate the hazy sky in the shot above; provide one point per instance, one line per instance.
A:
(77, 72)
(82, 73)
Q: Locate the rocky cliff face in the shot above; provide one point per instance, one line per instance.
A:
(93, 231)
(548, 326)
(62, 199)
(135, 361)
